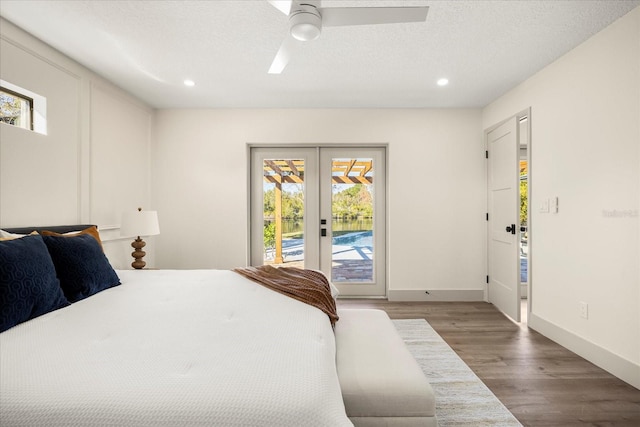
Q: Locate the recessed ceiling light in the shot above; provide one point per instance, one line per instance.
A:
(443, 82)
(189, 83)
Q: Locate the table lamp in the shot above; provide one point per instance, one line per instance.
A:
(139, 223)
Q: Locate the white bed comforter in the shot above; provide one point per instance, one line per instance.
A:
(173, 348)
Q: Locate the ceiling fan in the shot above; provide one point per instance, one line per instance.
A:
(306, 19)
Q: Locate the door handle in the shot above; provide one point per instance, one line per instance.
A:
(511, 229)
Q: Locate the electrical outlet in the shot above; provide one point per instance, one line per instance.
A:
(584, 310)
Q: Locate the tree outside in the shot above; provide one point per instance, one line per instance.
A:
(10, 108)
(353, 202)
(292, 202)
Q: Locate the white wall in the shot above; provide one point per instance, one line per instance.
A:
(94, 161)
(585, 146)
(436, 187)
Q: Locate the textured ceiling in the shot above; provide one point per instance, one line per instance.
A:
(148, 48)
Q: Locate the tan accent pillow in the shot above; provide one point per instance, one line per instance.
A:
(93, 231)
(17, 236)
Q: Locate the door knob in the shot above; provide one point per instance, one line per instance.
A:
(511, 229)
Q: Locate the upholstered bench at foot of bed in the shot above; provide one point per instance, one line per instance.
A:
(381, 382)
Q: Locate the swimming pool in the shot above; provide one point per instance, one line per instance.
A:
(360, 238)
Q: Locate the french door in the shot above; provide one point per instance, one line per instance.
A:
(321, 208)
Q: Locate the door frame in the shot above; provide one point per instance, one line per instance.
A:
(356, 146)
(519, 116)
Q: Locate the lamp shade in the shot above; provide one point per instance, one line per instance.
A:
(140, 223)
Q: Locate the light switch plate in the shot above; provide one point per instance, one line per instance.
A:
(584, 310)
(544, 206)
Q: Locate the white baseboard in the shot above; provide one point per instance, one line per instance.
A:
(435, 295)
(622, 368)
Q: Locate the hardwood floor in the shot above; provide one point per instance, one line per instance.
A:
(539, 381)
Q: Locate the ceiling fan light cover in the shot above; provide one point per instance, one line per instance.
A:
(305, 26)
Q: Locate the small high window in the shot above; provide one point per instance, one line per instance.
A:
(22, 108)
(16, 109)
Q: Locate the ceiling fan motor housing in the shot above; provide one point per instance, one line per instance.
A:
(305, 23)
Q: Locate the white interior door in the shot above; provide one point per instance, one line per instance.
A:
(503, 225)
(321, 208)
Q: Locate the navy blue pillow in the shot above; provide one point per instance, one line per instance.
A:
(28, 284)
(81, 266)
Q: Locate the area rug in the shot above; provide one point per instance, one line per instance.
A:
(462, 399)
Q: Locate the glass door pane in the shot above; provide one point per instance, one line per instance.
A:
(283, 211)
(284, 207)
(352, 212)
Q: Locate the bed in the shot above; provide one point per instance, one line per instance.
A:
(168, 348)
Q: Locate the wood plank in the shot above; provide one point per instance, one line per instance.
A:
(271, 164)
(352, 180)
(294, 169)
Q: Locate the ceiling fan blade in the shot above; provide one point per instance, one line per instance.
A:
(340, 16)
(283, 6)
(287, 49)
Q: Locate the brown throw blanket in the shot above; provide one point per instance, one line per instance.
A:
(308, 286)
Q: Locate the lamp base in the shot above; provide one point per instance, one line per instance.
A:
(138, 254)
